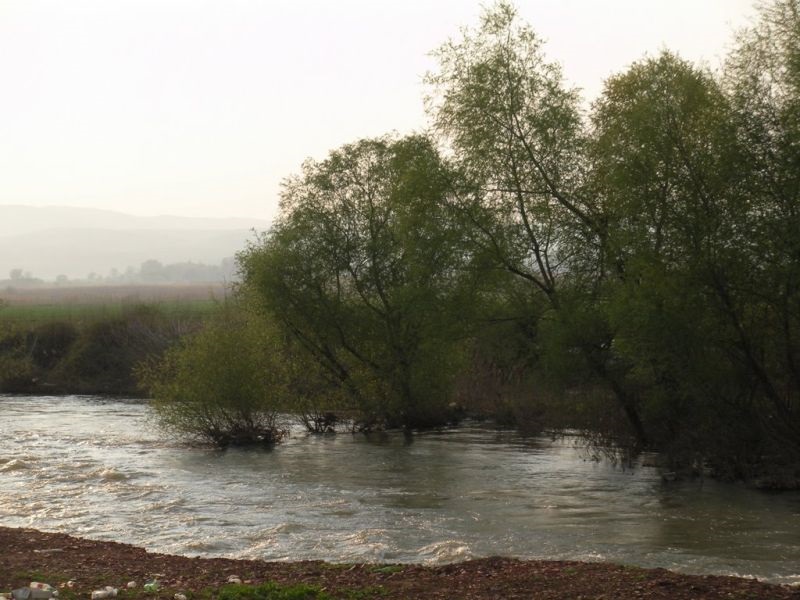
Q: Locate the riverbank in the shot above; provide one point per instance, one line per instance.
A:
(27, 554)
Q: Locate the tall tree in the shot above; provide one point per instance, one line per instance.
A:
(667, 171)
(518, 133)
(699, 182)
(364, 268)
(762, 79)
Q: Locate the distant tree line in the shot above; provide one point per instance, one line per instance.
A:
(150, 271)
(631, 271)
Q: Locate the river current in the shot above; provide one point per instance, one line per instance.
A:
(98, 468)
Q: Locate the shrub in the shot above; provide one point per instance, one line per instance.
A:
(17, 371)
(220, 386)
(17, 374)
(50, 342)
(103, 357)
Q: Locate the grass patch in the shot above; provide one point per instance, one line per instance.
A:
(273, 591)
(90, 348)
(266, 591)
(301, 591)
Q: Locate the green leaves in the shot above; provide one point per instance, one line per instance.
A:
(223, 385)
(662, 228)
(647, 251)
(365, 270)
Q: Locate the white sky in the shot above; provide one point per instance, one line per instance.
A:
(201, 107)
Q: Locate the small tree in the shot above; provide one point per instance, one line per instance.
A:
(221, 386)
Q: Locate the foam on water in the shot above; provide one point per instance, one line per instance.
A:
(446, 551)
(14, 465)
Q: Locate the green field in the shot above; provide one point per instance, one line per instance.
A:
(90, 340)
(89, 304)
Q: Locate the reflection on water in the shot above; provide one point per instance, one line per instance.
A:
(98, 468)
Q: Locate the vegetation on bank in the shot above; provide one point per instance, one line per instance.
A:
(265, 591)
(87, 349)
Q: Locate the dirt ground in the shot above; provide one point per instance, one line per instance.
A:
(26, 554)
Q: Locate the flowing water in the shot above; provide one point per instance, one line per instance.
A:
(97, 468)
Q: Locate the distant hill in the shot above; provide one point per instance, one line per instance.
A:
(71, 241)
(16, 219)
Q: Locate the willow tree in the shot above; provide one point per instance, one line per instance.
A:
(517, 131)
(364, 269)
(699, 182)
(762, 303)
(668, 171)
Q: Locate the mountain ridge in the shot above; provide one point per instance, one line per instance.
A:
(18, 219)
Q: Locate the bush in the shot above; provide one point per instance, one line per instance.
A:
(221, 386)
(17, 374)
(103, 357)
(17, 371)
(51, 342)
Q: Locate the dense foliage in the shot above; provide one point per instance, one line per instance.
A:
(632, 270)
(94, 354)
(366, 270)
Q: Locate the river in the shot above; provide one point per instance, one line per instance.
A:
(98, 468)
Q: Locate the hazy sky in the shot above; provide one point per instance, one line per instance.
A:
(196, 107)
